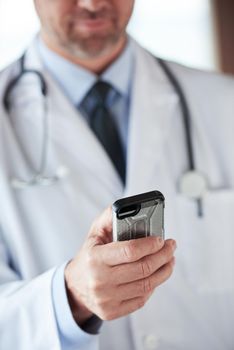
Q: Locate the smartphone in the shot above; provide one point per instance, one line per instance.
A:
(138, 216)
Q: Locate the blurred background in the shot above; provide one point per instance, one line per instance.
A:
(197, 33)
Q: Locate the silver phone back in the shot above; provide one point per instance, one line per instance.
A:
(149, 221)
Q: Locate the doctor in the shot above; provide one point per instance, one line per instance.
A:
(57, 283)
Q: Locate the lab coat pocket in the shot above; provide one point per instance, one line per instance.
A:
(208, 241)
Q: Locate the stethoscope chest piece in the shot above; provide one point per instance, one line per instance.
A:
(193, 185)
(40, 180)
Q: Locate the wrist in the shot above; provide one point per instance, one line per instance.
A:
(79, 311)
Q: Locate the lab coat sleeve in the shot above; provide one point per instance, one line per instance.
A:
(27, 316)
(70, 334)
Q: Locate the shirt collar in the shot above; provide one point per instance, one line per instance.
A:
(76, 81)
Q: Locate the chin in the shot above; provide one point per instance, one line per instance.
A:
(92, 48)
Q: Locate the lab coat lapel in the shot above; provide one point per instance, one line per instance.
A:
(153, 106)
(70, 128)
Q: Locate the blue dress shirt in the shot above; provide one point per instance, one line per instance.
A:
(75, 82)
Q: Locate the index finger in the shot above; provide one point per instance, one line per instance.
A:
(116, 253)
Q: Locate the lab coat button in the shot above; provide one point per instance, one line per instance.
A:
(151, 342)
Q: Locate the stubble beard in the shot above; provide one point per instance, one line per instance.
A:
(92, 47)
(84, 45)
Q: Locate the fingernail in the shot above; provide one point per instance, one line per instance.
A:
(173, 261)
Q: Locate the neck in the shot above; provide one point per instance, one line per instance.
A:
(96, 65)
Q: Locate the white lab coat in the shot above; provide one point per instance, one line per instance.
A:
(42, 227)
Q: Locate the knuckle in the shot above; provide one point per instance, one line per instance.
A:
(90, 259)
(156, 246)
(146, 267)
(163, 259)
(139, 287)
(147, 286)
(168, 252)
(95, 286)
(168, 271)
(129, 250)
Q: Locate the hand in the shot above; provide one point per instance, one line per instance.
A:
(113, 279)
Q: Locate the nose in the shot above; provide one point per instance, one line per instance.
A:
(91, 5)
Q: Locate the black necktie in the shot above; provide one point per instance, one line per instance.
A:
(103, 125)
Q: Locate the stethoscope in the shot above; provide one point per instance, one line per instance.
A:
(38, 178)
(192, 184)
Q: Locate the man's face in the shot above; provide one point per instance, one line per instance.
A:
(85, 28)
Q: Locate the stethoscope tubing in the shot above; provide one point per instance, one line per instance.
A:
(11, 85)
(184, 109)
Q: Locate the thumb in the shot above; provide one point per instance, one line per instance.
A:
(101, 230)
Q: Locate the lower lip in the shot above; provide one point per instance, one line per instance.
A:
(93, 24)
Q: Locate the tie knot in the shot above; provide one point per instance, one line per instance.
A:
(96, 97)
(101, 89)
